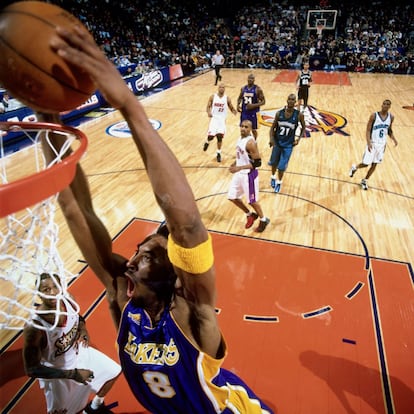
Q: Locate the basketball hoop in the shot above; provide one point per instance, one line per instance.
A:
(29, 187)
(24, 192)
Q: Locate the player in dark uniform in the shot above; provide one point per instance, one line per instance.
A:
(282, 139)
(303, 82)
(170, 344)
(250, 100)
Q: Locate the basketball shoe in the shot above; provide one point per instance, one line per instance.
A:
(278, 186)
(352, 170)
(364, 184)
(250, 220)
(218, 157)
(102, 409)
(272, 182)
(205, 146)
(262, 225)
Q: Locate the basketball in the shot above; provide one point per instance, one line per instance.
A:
(29, 69)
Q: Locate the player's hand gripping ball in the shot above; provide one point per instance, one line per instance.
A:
(30, 69)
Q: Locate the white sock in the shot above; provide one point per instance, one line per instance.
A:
(273, 176)
(97, 402)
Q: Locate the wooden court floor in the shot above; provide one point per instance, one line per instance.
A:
(358, 243)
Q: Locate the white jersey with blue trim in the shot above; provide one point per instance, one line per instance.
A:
(379, 129)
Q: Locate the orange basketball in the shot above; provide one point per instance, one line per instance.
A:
(29, 69)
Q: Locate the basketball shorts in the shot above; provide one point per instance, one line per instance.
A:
(280, 157)
(246, 185)
(72, 396)
(216, 126)
(374, 156)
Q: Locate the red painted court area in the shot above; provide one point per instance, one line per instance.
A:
(310, 331)
(318, 77)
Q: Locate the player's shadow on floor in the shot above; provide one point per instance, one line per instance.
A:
(326, 366)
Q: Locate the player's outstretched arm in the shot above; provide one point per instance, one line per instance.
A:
(167, 178)
(169, 183)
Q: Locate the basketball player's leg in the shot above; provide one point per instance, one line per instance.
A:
(211, 133)
(219, 137)
(305, 97)
(219, 140)
(273, 162)
(253, 194)
(207, 142)
(235, 194)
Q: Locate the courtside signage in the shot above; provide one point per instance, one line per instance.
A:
(121, 129)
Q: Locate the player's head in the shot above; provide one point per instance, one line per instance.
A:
(49, 287)
(250, 79)
(246, 128)
(150, 272)
(221, 89)
(291, 100)
(386, 105)
(306, 65)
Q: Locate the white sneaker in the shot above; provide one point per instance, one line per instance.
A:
(352, 170)
(364, 184)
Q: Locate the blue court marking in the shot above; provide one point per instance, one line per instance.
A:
(316, 312)
(349, 341)
(381, 352)
(355, 290)
(256, 318)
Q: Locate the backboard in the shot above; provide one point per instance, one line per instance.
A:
(325, 18)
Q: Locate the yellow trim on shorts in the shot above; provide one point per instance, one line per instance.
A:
(194, 260)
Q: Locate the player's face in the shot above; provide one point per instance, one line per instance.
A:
(245, 128)
(250, 80)
(386, 105)
(146, 267)
(48, 287)
(221, 89)
(291, 100)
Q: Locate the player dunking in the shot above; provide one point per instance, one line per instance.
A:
(169, 341)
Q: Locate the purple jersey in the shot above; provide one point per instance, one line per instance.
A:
(249, 96)
(168, 374)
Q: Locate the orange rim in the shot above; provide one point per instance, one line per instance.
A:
(27, 191)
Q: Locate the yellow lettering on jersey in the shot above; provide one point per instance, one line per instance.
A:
(151, 353)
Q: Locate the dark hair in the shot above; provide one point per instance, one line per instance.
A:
(163, 230)
(44, 276)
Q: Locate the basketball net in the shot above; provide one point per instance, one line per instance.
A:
(29, 234)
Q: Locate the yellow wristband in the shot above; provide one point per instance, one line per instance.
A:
(194, 260)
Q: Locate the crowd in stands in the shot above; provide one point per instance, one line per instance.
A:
(142, 35)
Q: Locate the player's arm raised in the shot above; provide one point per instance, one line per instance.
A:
(189, 244)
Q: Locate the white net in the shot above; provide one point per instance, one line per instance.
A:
(29, 237)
